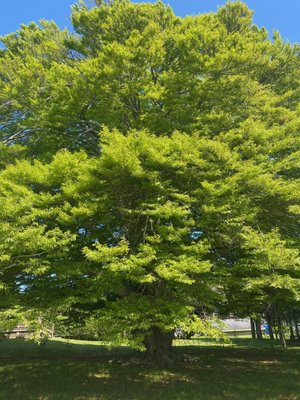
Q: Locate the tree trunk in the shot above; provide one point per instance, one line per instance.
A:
(258, 329)
(292, 336)
(270, 327)
(296, 328)
(270, 321)
(253, 333)
(281, 333)
(159, 345)
(280, 330)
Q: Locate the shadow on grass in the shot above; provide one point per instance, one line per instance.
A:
(210, 374)
(56, 348)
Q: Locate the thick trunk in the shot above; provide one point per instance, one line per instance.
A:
(159, 345)
(252, 328)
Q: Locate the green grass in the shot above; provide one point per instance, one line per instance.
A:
(80, 370)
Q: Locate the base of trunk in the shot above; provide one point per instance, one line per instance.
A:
(159, 346)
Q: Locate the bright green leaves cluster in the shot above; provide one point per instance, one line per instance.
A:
(137, 66)
(31, 56)
(273, 267)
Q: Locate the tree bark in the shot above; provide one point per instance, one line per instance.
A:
(159, 345)
(270, 328)
(258, 329)
(280, 330)
(281, 333)
(292, 335)
(296, 328)
(270, 324)
(253, 333)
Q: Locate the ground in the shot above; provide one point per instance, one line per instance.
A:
(78, 370)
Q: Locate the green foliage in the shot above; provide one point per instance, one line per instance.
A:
(150, 169)
(137, 66)
(9, 319)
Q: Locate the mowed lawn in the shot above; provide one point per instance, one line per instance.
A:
(86, 371)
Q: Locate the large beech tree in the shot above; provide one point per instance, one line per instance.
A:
(150, 169)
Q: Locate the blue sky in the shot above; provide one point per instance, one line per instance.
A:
(282, 15)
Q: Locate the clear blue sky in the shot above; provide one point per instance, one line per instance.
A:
(282, 15)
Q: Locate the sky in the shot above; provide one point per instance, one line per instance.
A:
(281, 15)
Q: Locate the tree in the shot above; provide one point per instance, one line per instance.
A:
(187, 197)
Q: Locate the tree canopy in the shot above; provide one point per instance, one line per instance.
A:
(149, 170)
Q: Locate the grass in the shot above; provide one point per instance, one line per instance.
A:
(80, 370)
